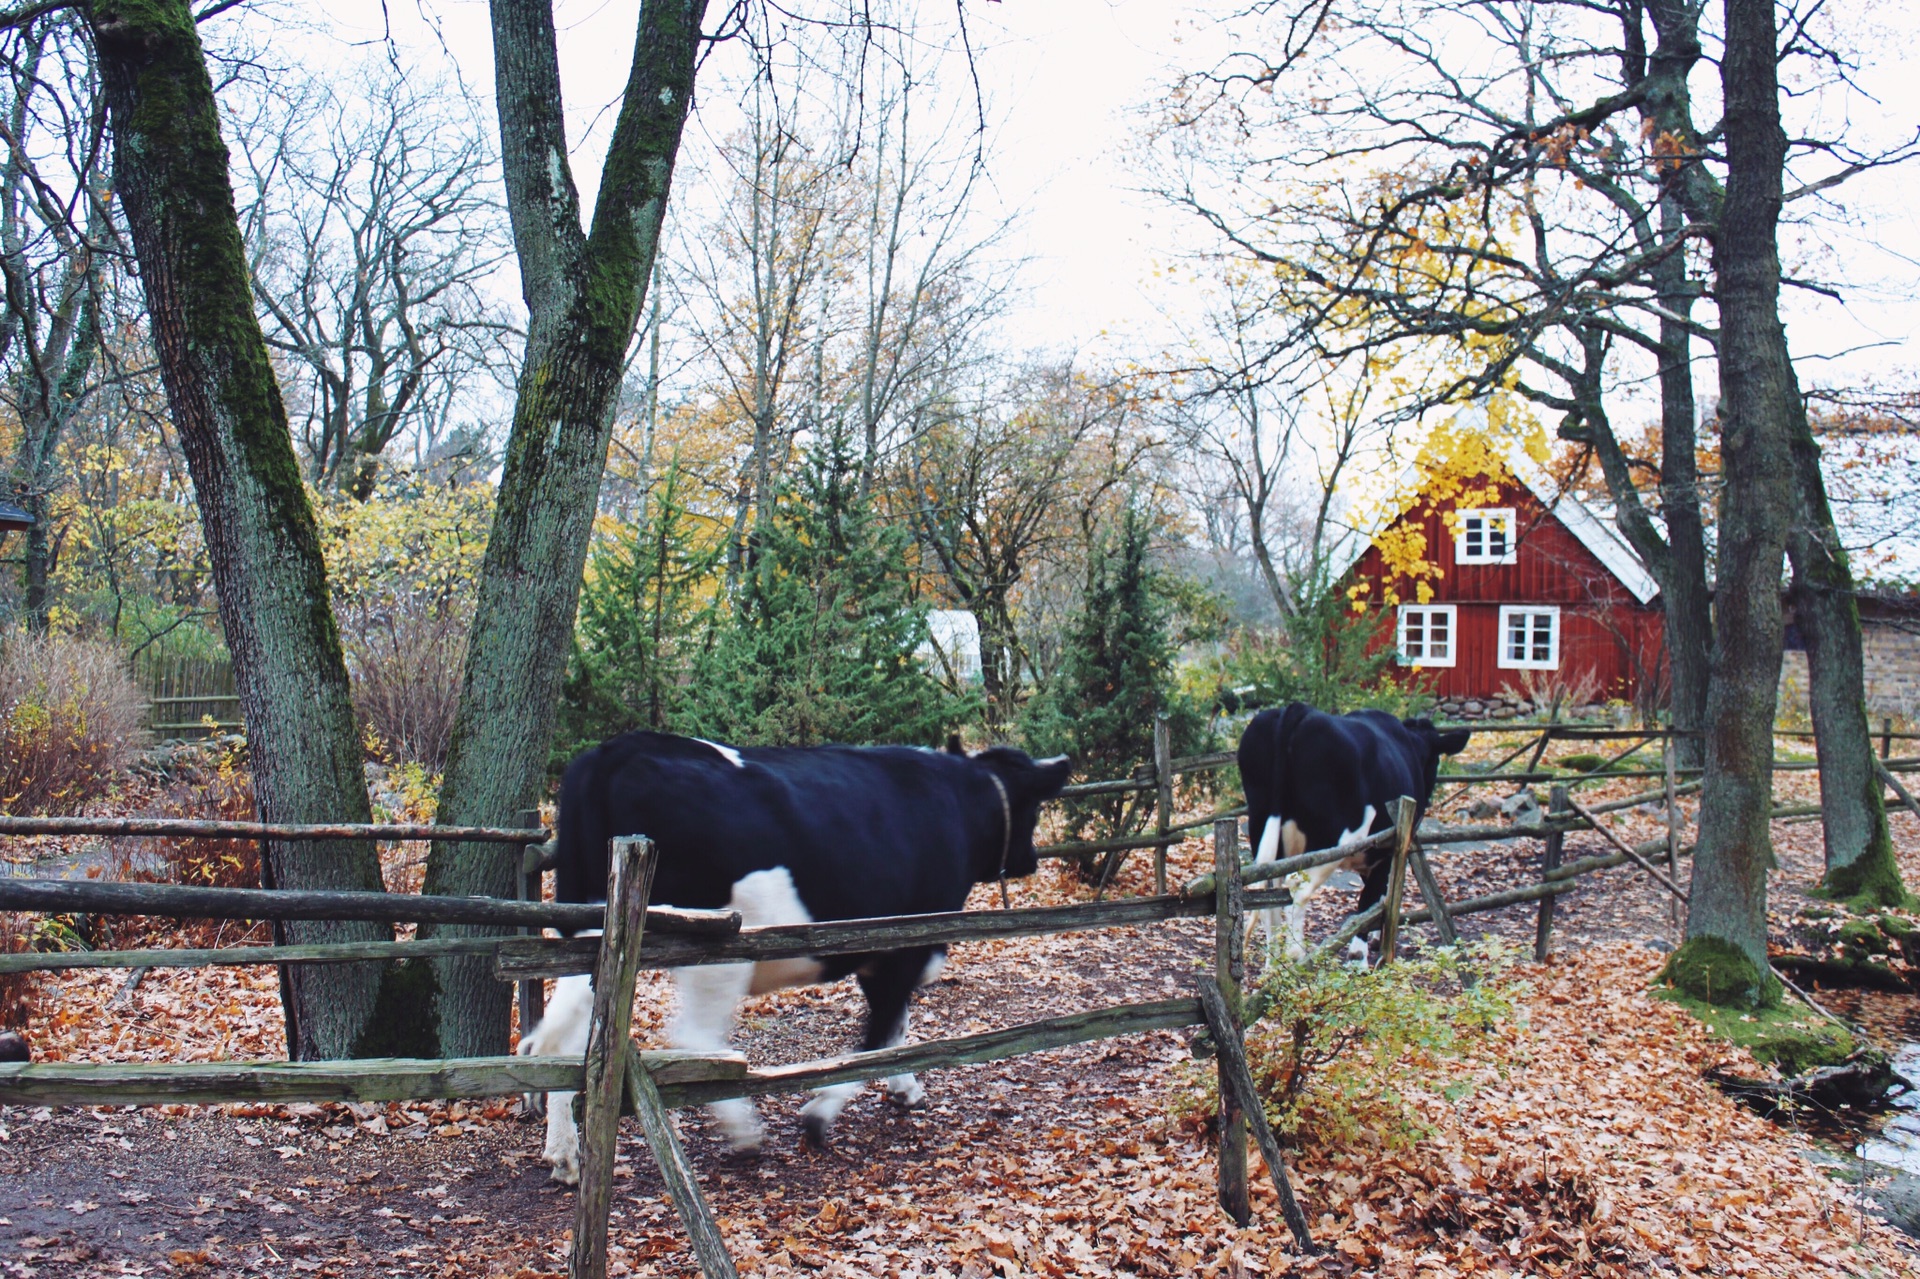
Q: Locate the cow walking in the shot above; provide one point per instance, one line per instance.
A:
(788, 836)
(1315, 781)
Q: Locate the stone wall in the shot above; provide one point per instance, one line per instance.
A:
(1893, 674)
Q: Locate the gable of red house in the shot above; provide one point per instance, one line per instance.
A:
(1533, 589)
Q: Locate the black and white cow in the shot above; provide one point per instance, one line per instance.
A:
(1315, 780)
(788, 836)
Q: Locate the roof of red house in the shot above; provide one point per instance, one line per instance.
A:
(1594, 532)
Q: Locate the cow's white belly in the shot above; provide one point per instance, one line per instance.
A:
(767, 899)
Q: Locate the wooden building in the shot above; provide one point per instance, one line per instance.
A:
(1533, 590)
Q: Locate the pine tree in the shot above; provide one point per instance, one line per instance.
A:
(1116, 674)
(643, 609)
(820, 644)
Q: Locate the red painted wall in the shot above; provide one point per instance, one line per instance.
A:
(1604, 630)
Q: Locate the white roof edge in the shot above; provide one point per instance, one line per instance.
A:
(1603, 542)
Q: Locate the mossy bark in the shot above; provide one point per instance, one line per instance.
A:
(1860, 864)
(584, 292)
(1758, 400)
(1715, 971)
(172, 179)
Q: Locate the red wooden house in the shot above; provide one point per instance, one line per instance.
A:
(1533, 589)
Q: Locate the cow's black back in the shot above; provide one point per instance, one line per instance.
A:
(1322, 772)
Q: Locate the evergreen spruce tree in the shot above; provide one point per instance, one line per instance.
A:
(642, 612)
(820, 643)
(1116, 674)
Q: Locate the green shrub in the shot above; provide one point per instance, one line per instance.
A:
(1342, 1052)
(1580, 763)
(1326, 656)
(70, 721)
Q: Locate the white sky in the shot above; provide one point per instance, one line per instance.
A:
(1062, 79)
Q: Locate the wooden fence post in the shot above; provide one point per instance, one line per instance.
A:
(1555, 842)
(1237, 1079)
(709, 1247)
(1886, 737)
(527, 888)
(629, 880)
(1673, 829)
(1162, 799)
(1430, 889)
(1404, 810)
(1229, 971)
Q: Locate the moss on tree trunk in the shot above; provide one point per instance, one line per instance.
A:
(171, 176)
(584, 293)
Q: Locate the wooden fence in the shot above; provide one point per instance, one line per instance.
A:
(637, 935)
(183, 694)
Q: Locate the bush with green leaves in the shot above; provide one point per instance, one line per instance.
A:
(1116, 673)
(1343, 1052)
(819, 642)
(1325, 656)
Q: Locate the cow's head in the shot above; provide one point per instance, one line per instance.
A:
(1029, 783)
(1435, 744)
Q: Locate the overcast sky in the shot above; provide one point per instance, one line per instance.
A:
(1063, 79)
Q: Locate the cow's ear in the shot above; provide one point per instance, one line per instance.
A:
(953, 745)
(1452, 743)
(1054, 774)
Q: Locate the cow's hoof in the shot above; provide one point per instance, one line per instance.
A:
(1357, 952)
(813, 1133)
(908, 1098)
(567, 1174)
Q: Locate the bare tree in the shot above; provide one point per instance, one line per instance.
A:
(372, 227)
(57, 250)
(1002, 488)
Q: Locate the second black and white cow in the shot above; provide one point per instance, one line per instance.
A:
(788, 836)
(1315, 780)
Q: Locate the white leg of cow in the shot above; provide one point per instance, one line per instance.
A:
(563, 1033)
(904, 1090)
(709, 996)
(1305, 886)
(1279, 838)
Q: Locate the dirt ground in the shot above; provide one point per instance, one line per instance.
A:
(1068, 1162)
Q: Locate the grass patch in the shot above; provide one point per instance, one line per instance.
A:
(1792, 1037)
(1581, 763)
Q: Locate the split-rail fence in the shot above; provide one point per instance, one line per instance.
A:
(614, 1078)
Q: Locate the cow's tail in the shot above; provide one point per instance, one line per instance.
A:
(1268, 845)
(1283, 750)
(580, 842)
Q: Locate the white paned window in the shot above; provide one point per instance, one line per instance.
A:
(1427, 635)
(1484, 536)
(1529, 638)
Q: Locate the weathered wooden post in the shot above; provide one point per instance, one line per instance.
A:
(1403, 812)
(1557, 806)
(676, 1172)
(1237, 1079)
(527, 885)
(1162, 799)
(1886, 737)
(1673, 827)
(629, 880)
(1229, 972)
(1430, 889)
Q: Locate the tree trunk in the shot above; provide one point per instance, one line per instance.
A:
(1685, 596)
(1859, 846)
(1724, 959)
(171, 175)
(584, 293)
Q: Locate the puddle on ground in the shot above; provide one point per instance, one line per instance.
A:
(1897, 1144)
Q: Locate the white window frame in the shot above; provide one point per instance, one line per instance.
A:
(1505, 660)
(1485, 516)
(1452, 614)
